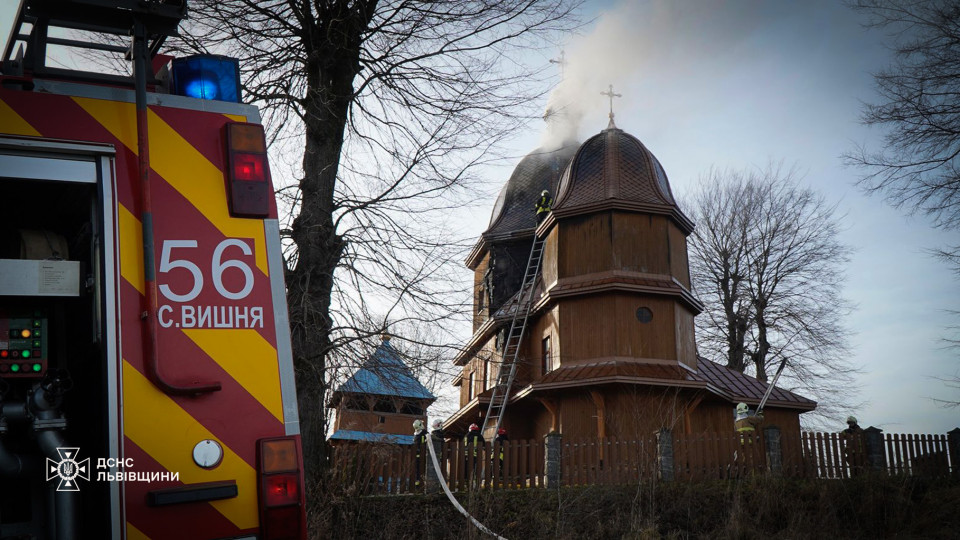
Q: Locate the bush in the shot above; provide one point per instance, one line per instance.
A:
(761, 507)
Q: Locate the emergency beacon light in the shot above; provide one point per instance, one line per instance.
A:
(206, 76)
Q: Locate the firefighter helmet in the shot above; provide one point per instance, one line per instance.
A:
(502, 431)
(418, 424)
(474, 427)
(742, 408)
(851, 419)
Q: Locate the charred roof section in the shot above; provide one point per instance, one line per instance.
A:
(514, 210)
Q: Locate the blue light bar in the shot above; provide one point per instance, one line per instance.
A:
(206, 76)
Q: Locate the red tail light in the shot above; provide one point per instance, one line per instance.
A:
(282, 504)
(281, 489)
(249, 167)
(248, 176)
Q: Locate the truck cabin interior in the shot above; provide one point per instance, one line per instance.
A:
(57, 325)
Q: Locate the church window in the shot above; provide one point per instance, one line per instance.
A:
(644, 315)
(546, 362)
(411, 407)
(471, 385)
(355, 403)
(385, 405)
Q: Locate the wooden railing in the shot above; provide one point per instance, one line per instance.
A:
(384, 469)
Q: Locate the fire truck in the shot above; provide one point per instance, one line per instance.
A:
(146, 377)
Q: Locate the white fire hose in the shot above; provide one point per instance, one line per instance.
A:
(453, 500)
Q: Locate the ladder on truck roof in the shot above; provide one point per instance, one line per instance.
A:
(511, 347)
(87, 20)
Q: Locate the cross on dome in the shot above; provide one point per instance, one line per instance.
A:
(612, 95)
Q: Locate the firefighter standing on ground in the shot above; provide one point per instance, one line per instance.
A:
(745, 424)
(498, 442)
(419, 440)
(544, 206)
(852, 440)
(471, 444)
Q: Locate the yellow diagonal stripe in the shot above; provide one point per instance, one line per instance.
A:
(236, 117)
(13, 123)
(134, 533)
(182, 166)
(168, 433)
(131, 247)
(248, 358)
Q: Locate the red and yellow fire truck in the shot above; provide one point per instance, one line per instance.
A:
(146, 378)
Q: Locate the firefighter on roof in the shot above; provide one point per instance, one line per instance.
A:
(544, 204)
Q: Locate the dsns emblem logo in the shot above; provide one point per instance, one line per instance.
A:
(68, 469)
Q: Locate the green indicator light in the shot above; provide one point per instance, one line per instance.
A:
(15, 368)
(36, 324)
(25, 354)
(36, 343)
(37, 367)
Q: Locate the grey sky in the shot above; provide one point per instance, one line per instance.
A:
(737, 83)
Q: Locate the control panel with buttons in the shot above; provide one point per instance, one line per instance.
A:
(23, 346)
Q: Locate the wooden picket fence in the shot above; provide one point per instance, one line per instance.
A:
(705, 456)
(388, 469)
(466, 466)
(607, 461)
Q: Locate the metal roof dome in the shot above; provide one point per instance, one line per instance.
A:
(613, 168)
(537, 171)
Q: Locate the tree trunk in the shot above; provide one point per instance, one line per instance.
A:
(332, 65)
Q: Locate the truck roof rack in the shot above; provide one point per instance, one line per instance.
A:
(26, 50)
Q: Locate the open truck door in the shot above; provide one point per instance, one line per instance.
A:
(146, 378)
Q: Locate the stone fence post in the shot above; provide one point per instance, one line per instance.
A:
(665, 455)
(552, 456)
(953, 448)
(431, 479)
(771, 438)
(873, 444)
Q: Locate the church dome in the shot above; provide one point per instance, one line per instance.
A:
(515, 207)
(614, 169)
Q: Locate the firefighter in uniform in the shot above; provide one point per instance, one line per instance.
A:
(419, 441)
(543, 206)
(498, 443)
(471, 444)
(852, 441)
(745, 425)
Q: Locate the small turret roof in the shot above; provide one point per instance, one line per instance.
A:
(384, 373)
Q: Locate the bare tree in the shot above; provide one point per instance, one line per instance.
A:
(918, 166)
(390, 107)
(768, 265)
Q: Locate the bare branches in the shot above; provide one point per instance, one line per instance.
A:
(389, 108)
(918, 167)
(768, 265)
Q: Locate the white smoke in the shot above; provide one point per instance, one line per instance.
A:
(609, 55)
(636, 46)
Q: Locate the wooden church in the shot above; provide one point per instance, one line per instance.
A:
(380, 402)
(608, 348)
